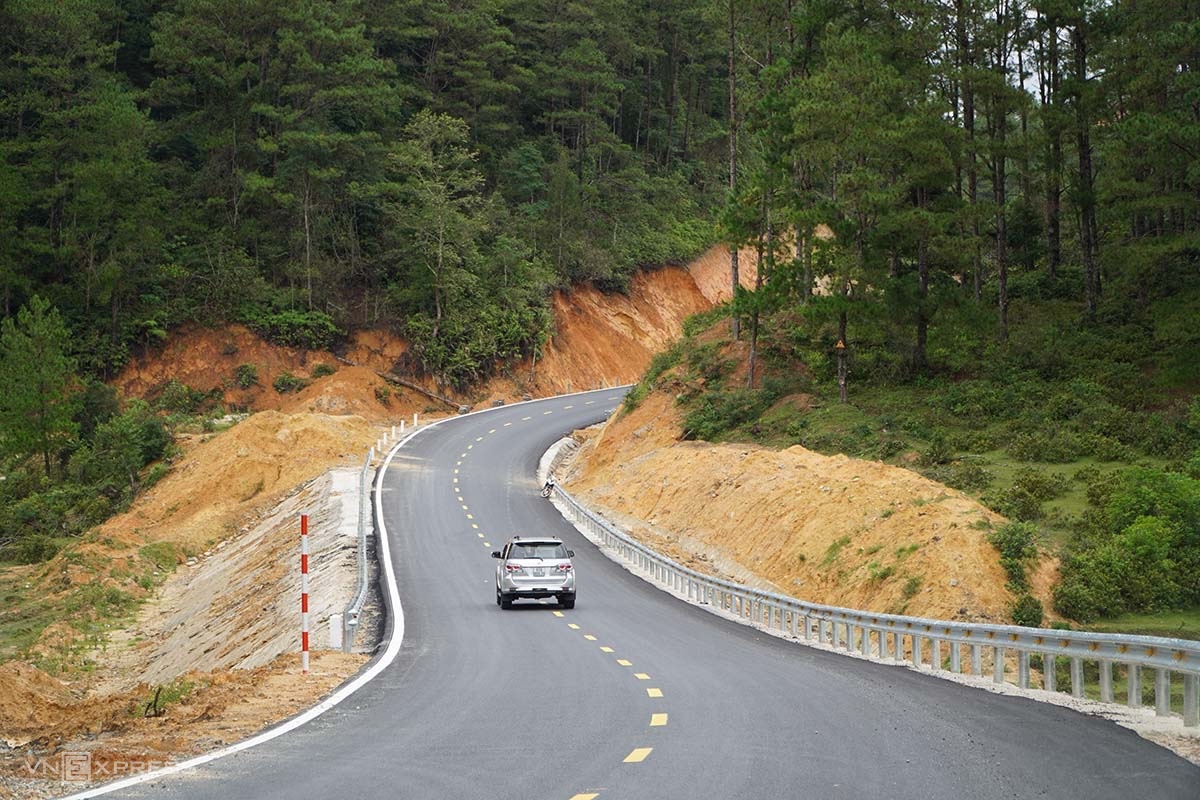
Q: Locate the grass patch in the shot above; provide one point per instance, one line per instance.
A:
(832, 552)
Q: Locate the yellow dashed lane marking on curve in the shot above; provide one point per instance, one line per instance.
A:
(476, 527)
(641, 676)
(493, 430)
(566, 407)
(589, 637)
(456, 471)
(544, 413)
(558, 613)
(589, 402)
(470, 517)
(606, 650)
(507, 424)
(479, 438)
(657, 720)
(572, 626)
(480, 535)
(464, 506)
(523, 419)
(624, 663)
(638, 755)
(470, 446)
(654, 692)
(590, 796)
(487, 544)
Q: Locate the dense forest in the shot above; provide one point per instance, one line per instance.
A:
(978, 226)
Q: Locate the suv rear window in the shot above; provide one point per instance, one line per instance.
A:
(537, 550)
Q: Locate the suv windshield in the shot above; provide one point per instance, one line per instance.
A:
(537, 550)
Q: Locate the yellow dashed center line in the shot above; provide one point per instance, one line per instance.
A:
(558, 613)
(658, 720)
(464, 505)
(544, 413)
(493, 430)
(470, 517)
(507, 424)
(476, 527)
(606, 650)
(523, 419)
(641, 676)
(624, 663)
(572, 626)
(464, 455)
(479, 438)
(487, 544)
(470, 446)
(638, 755)
(480, 535)
(589, 637)
(652, 692)
(591, 796)
(456, 471)
(566, 407)
(589, 402)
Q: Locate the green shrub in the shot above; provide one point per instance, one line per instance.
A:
(313, 330)
(1039, 484)
(1016, 503)
(32, 549)
(181, 398)
(969, 476)
(287, 382)
(1027, 611)
(939, 451)
(322, 370)
(717, 412)
(911, 587)
(1057, 448)
(1015, 542)
(245, 376)
(383, 393)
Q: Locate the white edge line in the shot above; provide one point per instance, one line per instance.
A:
(385, 660)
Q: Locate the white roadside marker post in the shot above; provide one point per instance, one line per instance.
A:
(304, 594)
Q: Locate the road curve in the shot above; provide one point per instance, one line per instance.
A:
(634, 694)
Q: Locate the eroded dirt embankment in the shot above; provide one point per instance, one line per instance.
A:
(829, 529)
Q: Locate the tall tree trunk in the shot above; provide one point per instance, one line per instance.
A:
(733, 251)
(967, 65)
(1052, 100)
(920, 362)
(1087, 196)
(843, 370)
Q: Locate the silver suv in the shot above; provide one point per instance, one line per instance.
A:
(534, 567)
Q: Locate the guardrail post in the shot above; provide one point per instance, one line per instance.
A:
(1191, 700)
(918, 650)
(997, 664)
(935, 653)
(1077, 677)
(1162, 693)
(1133, 683)
(835, 635)
(1106, 682)
(1049, 673)
(1023, 669)
(976, 659)
(955, 657)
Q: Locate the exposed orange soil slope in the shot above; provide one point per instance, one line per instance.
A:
(829, 529)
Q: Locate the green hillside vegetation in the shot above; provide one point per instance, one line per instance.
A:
(979, 244)
(978, 227)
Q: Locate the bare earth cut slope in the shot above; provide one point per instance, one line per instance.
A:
(828, 529)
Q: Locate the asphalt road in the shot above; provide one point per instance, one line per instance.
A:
(634, 694)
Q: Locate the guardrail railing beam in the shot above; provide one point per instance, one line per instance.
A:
(852, 630)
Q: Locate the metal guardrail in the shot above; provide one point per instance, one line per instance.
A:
(350, 617)
(924, 642)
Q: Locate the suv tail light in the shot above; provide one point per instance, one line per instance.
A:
(564, 567)
(512, 567)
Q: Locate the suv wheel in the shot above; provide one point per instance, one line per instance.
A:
(505, 601)
(566, 600)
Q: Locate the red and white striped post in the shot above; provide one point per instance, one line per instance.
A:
(304, 593)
